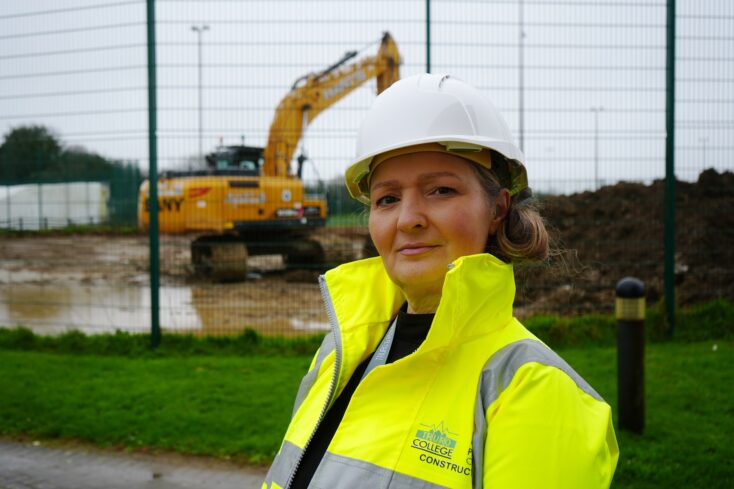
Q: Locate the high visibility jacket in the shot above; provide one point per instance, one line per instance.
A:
(481, 403)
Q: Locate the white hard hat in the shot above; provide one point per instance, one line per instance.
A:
(431, 108)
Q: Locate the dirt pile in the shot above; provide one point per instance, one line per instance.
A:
(618, 231)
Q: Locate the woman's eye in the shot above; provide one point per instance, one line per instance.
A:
(386, 200)
(444, 190)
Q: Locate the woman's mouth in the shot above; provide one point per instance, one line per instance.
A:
(415, 249)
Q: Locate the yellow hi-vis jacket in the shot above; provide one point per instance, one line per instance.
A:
(481, 403)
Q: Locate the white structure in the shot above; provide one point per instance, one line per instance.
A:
(53, 205)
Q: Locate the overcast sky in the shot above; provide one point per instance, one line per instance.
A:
(79, 67)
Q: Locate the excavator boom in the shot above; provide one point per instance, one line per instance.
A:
(314, 93)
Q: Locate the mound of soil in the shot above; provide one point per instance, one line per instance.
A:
(618, 231)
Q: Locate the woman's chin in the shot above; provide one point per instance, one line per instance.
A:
(419, 277)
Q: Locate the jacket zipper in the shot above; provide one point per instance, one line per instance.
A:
(337, 366)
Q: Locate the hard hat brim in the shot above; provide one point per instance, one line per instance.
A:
(358, 173)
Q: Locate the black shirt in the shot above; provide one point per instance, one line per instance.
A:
(410, 331)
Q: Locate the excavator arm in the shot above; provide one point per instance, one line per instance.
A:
(316, 92)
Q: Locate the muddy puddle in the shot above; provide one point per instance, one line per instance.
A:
(51, 309)
(99, 284)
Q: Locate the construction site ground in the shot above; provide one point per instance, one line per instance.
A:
(599, 238)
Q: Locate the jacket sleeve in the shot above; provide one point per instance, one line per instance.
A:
(545, 431)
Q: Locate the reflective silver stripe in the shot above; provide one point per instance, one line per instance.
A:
(477, 441)
(327, 346)
(502, 366)
(497, 374)
(283, 464)
(383, 350)
(336, 471)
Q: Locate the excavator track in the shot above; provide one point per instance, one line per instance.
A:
(343, 245)
(223, 260)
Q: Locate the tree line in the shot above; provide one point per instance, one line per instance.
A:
(33, 154)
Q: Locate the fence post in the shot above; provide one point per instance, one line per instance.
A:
(8, 211)
(670, 184)
(39, 199)
(155, 327)
(428, 36)
(629, 309)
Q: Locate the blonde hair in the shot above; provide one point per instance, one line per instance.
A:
(522, 237)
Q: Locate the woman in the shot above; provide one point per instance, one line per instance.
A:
(426, 379)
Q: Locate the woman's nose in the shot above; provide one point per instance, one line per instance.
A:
(412, 214)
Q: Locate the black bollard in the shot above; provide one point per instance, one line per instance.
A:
(630, 313)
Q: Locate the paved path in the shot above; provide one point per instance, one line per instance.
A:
(33, 466)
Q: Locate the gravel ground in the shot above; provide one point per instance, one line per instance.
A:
(25, 465)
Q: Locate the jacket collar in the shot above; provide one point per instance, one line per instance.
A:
(477, 297)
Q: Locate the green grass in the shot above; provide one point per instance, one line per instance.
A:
(232, 396)
(121, 343)
(238, 406)
(232, 406)
(714, 319)
(705, 321)
(350, 219)
(689, 414)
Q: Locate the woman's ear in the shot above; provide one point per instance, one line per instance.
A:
(501, 209)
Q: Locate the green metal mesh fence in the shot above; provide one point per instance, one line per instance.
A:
(581, 84)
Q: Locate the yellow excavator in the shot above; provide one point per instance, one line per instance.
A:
(250, 200)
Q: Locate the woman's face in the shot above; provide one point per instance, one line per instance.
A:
(427, 209)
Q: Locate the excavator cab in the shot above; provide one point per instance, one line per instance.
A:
(236, 160)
